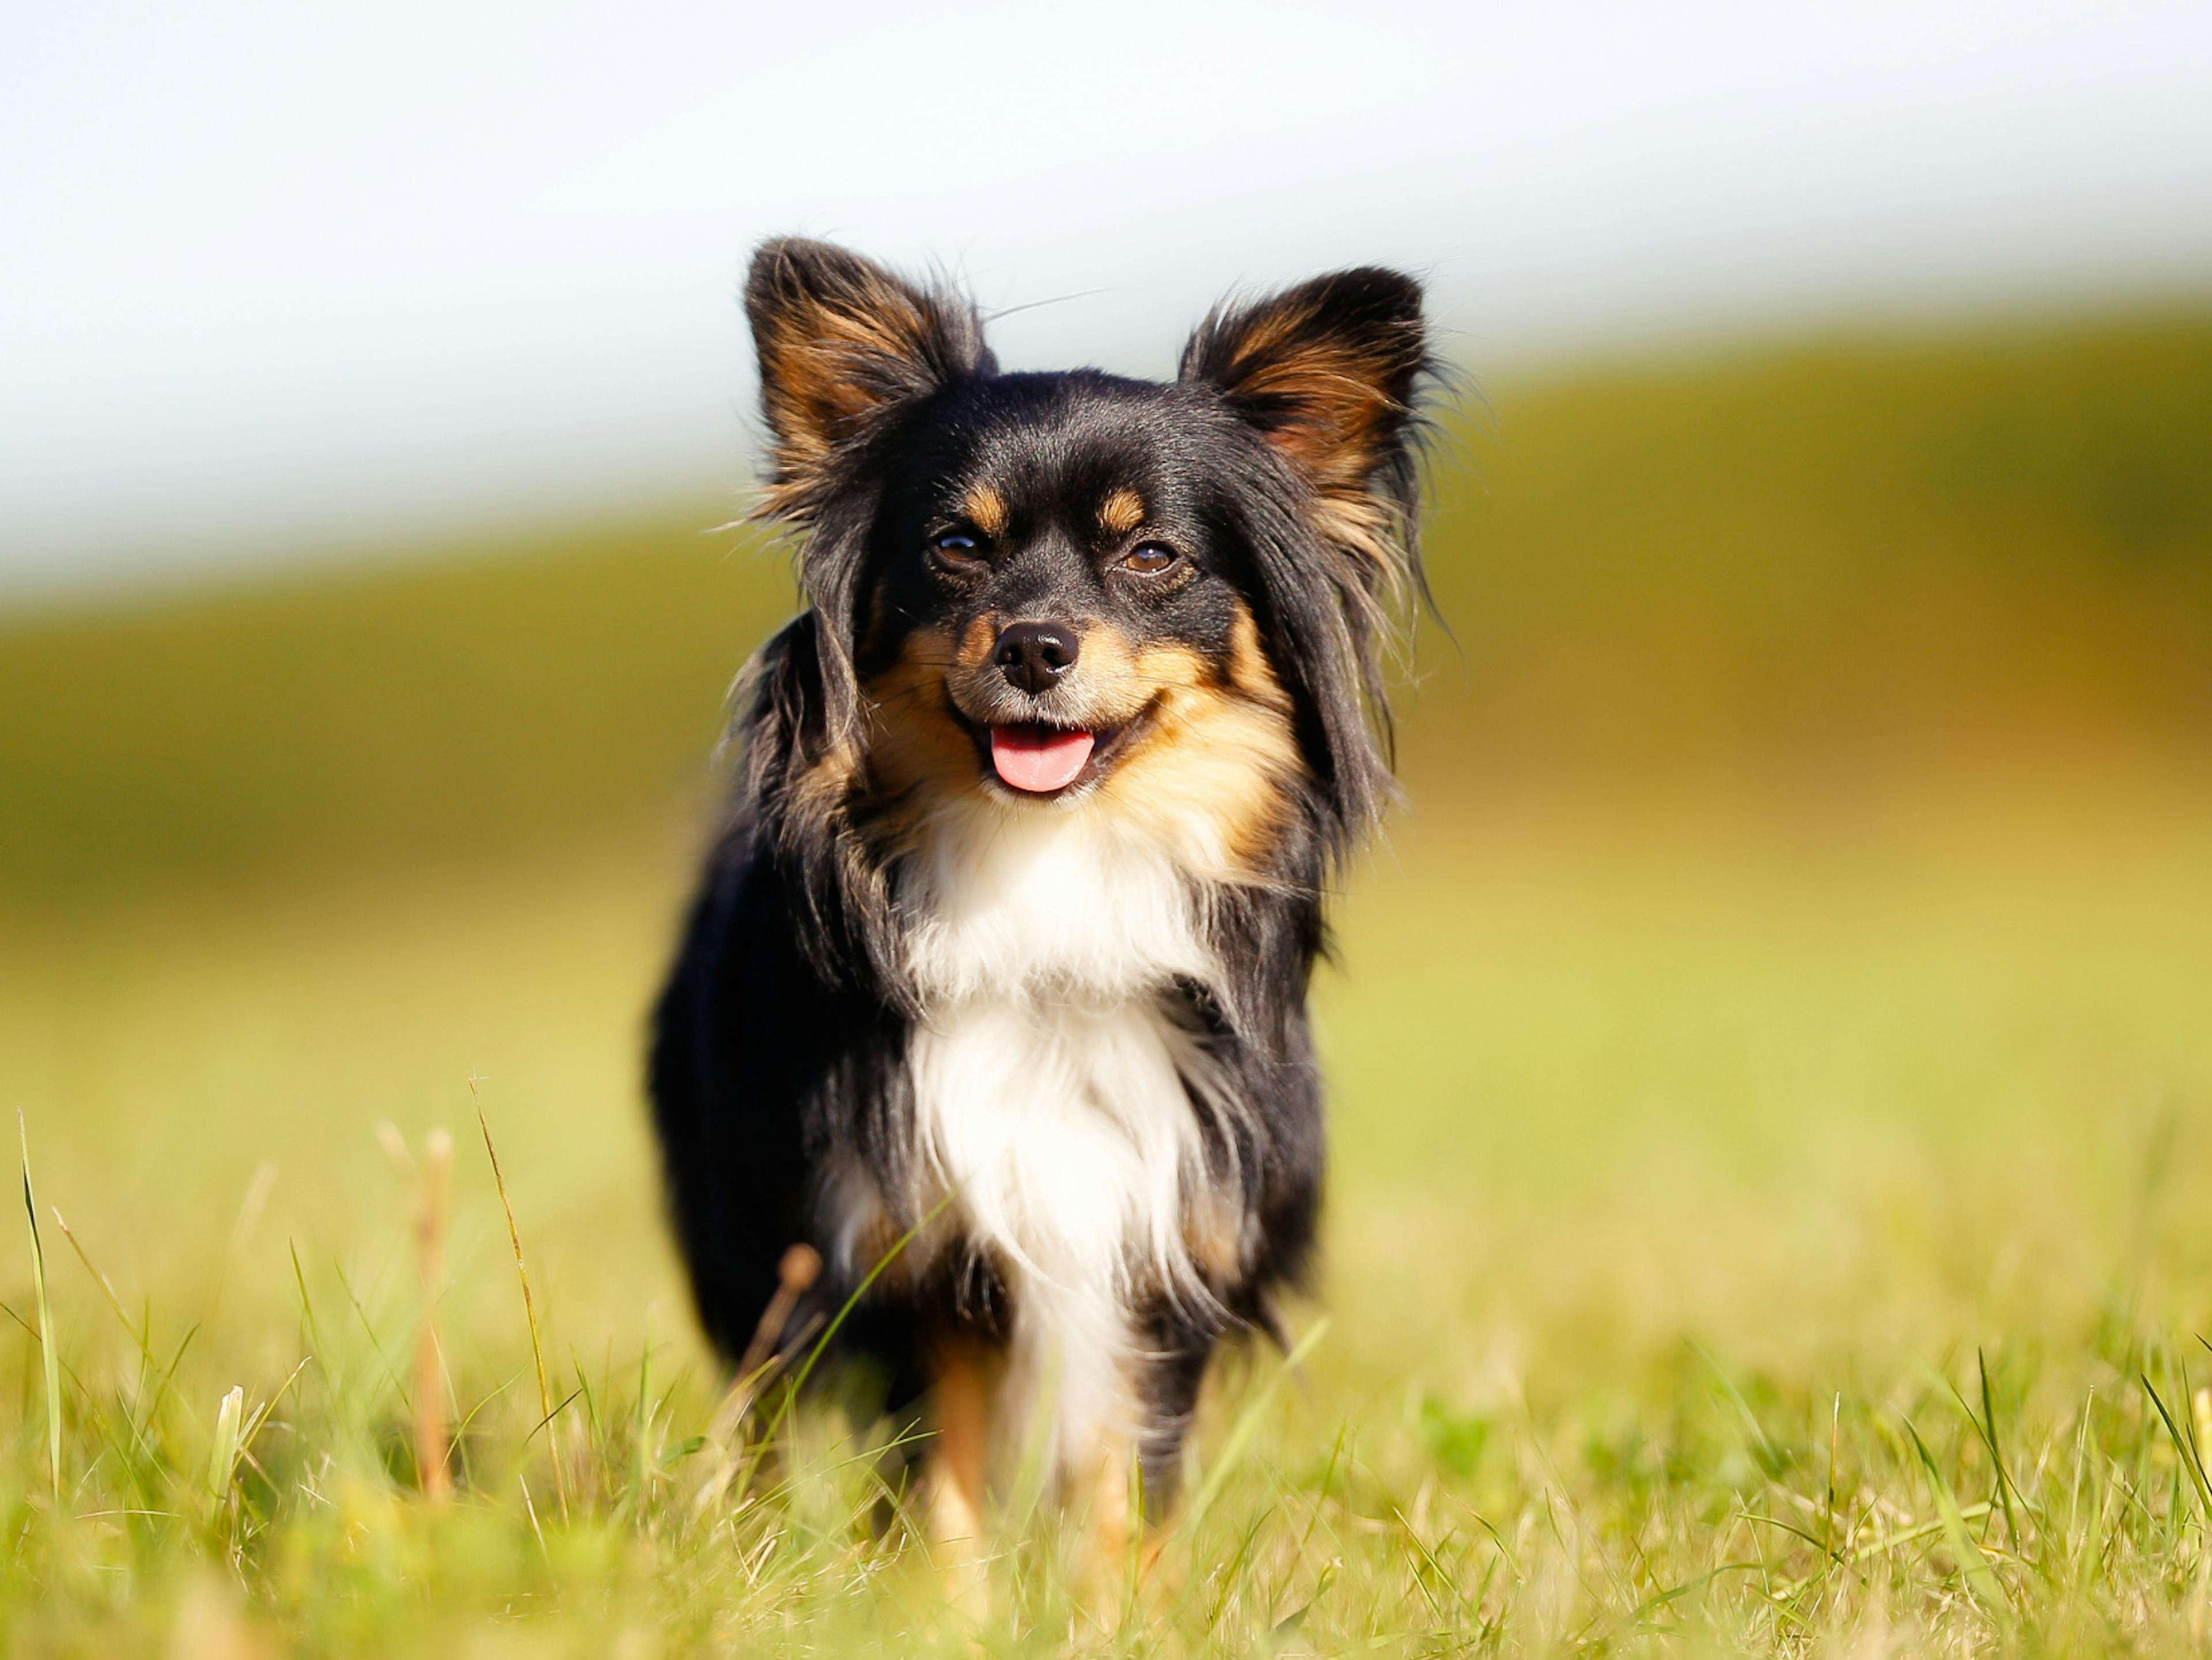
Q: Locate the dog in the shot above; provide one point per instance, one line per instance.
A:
(992, 1003)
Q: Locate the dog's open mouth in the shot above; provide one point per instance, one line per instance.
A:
(1040, 760)
(1035, 758)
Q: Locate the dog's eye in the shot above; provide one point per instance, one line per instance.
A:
(956, 549)
(1149, 560)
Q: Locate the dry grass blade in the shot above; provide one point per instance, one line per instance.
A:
(529, 1308)
(820, 1344)
(106, 1289)
(431, 1440)
(530, 1509)
(800, 1267)
(253, 1425)
(1880, 1545)
(222, 1456)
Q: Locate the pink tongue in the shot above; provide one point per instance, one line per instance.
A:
(1039, 758)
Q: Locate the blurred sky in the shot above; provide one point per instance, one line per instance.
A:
(299, 277)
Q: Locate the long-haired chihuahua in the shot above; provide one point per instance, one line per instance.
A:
(993, 996)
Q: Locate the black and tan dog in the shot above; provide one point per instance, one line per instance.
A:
(1005, 943)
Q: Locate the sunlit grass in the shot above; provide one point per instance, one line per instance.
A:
(1687, 1172)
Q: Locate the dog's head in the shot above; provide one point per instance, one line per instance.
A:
(1043, 590)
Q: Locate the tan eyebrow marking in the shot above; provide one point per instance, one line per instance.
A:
(1122, 511)
(986, 509)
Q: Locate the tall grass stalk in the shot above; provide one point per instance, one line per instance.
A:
(545, 1408)
(431, 1448)
(49, 1349)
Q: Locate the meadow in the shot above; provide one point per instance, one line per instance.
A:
(1771, 1059)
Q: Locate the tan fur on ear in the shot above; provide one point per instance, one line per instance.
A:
(1326, 394)
(1330, 373)
(840, 340)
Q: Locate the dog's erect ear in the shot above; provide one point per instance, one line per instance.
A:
(1330, 372)
(842, 342)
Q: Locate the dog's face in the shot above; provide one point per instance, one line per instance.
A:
(1051, 602)
(1053, 589)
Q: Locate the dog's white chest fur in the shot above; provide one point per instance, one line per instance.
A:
(1053, 1083)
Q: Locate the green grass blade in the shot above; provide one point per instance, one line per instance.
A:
(1981, 1578)
(1996, 1453)
(822, 1343)
(2182, 1444)
(47, 1351)
(1248, 1424)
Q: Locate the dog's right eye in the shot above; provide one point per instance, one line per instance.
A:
(956, 550)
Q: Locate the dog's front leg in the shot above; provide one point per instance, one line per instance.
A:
(955, 1470)
(1109, 1509)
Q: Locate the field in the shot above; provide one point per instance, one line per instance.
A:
(1772, 1066)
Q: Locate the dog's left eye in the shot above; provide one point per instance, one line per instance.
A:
(1150, 560)
(956, 548)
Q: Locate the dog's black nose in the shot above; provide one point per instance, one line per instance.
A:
(1032, 655)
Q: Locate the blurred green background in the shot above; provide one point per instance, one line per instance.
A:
(1803, 905)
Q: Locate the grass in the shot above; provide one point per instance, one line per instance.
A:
(1772, 1133)
(1688, 1176)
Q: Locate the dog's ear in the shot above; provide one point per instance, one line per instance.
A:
(842, 342)
(1330, 372)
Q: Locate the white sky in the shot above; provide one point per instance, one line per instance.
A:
(299, 277)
